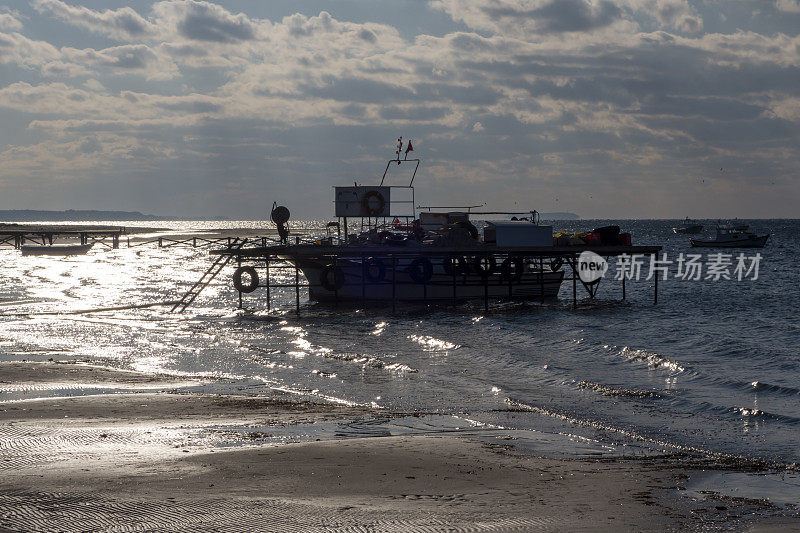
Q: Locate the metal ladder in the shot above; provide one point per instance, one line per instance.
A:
(207, 277)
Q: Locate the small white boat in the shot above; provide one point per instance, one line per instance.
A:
(689, 226)
(728, 237)
(56, 249)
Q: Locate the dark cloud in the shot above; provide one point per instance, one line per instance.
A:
(190, 106)
(462, 94)
(367, 35)
(359, 90)
(206, 23)
(562, 15)
(417, 113)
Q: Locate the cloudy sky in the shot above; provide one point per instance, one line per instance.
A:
(607, 108)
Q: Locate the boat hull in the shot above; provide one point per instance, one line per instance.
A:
(399, 286)
(688, 230)
(55, 249)
(749, 242)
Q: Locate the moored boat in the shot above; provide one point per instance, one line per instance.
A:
(688, 226)
(395, 253)
(728, 237)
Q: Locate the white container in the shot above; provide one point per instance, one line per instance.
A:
(517, 233)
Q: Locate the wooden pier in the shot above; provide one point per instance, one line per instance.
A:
(17, 235)
(285, 257)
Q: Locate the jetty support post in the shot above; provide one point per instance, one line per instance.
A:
(239, 264)
(655, 285)
(394, 283)
(335, 285)
(115, 241)
(574, 282)
(541, 279)
(363, 282)
(486, 291)
(267, 276)
(297, 283)
(454, 261)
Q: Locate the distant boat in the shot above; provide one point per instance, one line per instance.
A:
(689, 226)
(728, 237)
(737, 225)
(56, 249)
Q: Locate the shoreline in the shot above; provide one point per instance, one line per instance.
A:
(159, 458)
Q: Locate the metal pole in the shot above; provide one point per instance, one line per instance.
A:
(623, 286)
(394, 283)
(268, 293)
(239, 262)
(297, 282)
(454, 262)
(363, 282)
(655, 287)
(574, 284)
(336, 284)
(541, 278)
(486, 292)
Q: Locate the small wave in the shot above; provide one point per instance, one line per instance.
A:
(719, 459)
(753, 412)
(653, 360)
(607, 390)
(432, 344)
(362, 359)
(769, 387)
(370, 361)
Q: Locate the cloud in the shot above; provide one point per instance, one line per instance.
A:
(788, 6)
(204, 21)
(123, 23)
(10, 22)
(568, 94)
(526, 18)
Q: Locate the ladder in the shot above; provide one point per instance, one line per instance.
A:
(207, 277)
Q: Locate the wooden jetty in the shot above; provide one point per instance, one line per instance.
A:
(270, 259)
(17, 235)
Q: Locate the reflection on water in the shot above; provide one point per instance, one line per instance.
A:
(712, 368)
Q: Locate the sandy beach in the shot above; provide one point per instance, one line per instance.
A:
(144, 461)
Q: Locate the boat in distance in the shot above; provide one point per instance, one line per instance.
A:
(55, 249)
(688, 226)
(729, 237)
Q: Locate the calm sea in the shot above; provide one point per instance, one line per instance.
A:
(713, 369)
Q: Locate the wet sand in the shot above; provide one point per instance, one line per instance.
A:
(148, 461)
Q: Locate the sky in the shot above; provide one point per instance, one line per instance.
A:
(605, 108)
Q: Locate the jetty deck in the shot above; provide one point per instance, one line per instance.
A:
(44, 234)
(275, 257)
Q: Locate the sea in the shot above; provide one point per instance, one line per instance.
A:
(710, 373)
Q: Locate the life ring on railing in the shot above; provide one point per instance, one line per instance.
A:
(484, 265)
(556, 264)
(455, 265)
(240, 285)
(511, 268)
(371, 210)
(420, 270)
(374, 270)
(337, 275)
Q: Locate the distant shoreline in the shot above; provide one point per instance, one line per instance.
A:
(84, 215)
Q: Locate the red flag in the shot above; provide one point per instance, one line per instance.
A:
(409, 148)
